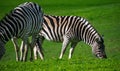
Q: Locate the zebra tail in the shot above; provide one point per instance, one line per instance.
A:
(2, 51)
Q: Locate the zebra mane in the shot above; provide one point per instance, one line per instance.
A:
(7, 15)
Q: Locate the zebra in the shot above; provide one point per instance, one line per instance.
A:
(23, 21)
(71, 29)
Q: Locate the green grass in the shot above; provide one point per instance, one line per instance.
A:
(104, 15)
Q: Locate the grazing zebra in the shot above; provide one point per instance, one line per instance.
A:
(71, 29)
(24, 21)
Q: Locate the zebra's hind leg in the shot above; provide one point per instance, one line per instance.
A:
(64, 45)
(73, 45)
(16, 46)
(35, 52)
(22, 50)
(25, 52)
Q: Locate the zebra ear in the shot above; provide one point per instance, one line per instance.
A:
(102, 36)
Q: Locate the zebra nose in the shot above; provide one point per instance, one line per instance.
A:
(101, 56)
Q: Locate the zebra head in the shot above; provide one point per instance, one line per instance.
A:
(98, 48)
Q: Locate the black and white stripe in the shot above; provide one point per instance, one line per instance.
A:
(22, 22)
(72, 29)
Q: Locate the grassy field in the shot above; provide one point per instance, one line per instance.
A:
(104, 15)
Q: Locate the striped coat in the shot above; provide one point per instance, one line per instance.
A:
(71, 29)
(22, 22)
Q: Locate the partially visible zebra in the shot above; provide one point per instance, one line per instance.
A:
(71, 29)
(23, 21)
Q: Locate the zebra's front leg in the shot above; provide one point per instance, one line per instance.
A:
(41, 54)
(40, 51)
(38, 48)
(64, 45)
(14, 40)
(37, 51)
(73, 45)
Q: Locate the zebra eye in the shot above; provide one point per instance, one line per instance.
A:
(99, 48)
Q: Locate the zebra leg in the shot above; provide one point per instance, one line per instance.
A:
(25, 52)
(73, 45)
(22, 50)
(64, 45)
(35, 52)
(38, 48)
(41, 54)
(32, 46)
(14, 40)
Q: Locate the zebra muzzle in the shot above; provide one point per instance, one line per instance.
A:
(101, 56)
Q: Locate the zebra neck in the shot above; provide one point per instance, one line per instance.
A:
(90, 40)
